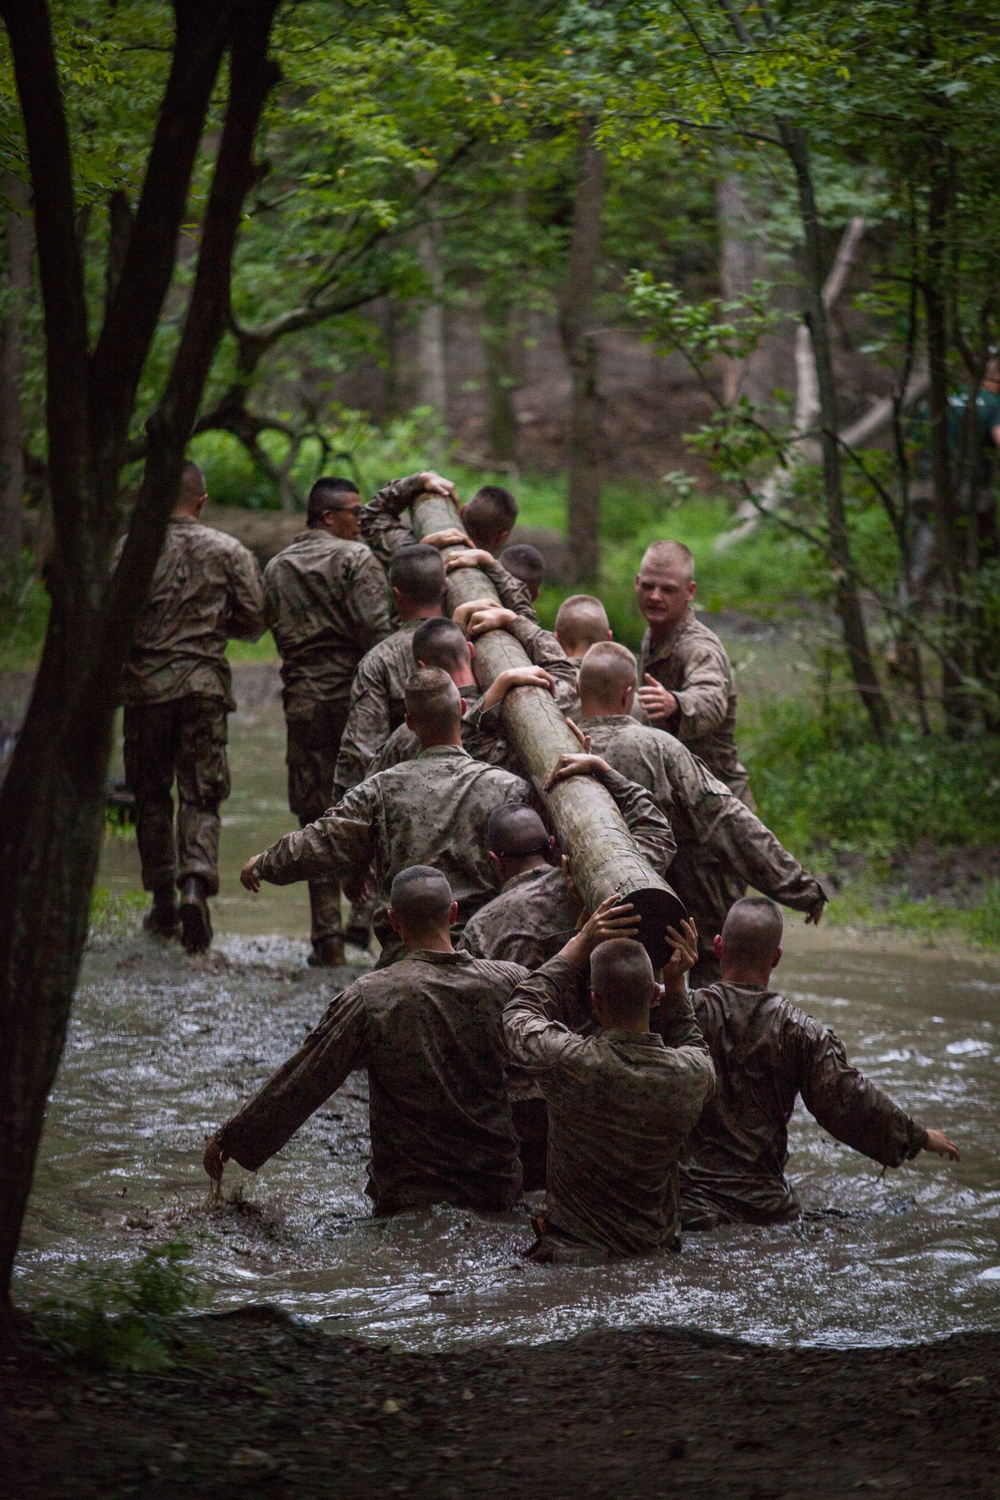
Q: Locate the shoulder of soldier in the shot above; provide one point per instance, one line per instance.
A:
(696, 634)
(210, 539)
(500, 971)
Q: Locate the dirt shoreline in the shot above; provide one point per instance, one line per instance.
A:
(258, 1404)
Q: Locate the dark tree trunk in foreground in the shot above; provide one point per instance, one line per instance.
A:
(18, 226)
(591, 830)
(847, 597)
(52, 803)
(576, 316)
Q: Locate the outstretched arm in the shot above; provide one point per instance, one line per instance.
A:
(381, 524)
(342, 843)
(295, 1091)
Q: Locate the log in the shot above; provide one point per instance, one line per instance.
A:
(590, 829)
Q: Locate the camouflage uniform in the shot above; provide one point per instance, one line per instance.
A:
(177, 690)
(428, 811)
(327, 602)
(692, 663)
(531, 919)
(535, 914)
(722, 847)
(766, 1052)
(431, 1037)
(620, 1105)
(384, 531)
(482, 735)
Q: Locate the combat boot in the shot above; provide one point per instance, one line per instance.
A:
(196, 923)
(358, 935)
(328, 953)
(162, 918)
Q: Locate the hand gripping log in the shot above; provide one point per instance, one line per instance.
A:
(591, 830)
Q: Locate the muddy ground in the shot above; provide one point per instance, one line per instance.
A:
(259, 1405)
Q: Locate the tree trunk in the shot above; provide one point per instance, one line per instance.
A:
(848, 602)
(742, 261)
(500, 352)
(19, 246)
(432, 389)
(576, 314)
(590, 828)
(947, 522)
(52, 802)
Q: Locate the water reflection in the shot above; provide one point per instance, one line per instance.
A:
(163, 1047)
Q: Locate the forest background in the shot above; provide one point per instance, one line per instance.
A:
(721, 273)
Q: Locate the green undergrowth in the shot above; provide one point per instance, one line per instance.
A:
(820, 781)
(123, 1318)
(111, 912)
(866, 903)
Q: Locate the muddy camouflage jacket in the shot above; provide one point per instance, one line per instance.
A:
(535, 914)
(482, 734)
(206, 588)
(766, 1052)
(429, 1032)
(428, 811)
(620, 1106)
(693, 665)
(327, 602)
(722, 847)
(384, 531)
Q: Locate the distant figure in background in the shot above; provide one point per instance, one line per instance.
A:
(766, 1052)
(581, 622)
(176, 687)
(687, 676)
(527, 563)
(327, 600)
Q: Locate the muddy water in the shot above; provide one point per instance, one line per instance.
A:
(162, 1048)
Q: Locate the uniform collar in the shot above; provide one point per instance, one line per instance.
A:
(607, 719)
(444, 750)
(633, 1038)
(433, 956)
(652, 653)
(516, 881)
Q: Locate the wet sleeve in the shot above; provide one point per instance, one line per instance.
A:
(737, 838)
(849, 1105)
(340, 843)
(330, 1052)
(703, 700)
(513, 593)
(648, 825)
(381, 526)
(245, 620)
(369, 602)
(369, 724)
(537, 1038)
(543, 650)
(677, 1024)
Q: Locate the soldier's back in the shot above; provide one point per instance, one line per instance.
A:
(441, 1124)
(206, 587)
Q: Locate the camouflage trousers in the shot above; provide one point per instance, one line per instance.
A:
(313, 746)
(183, 741)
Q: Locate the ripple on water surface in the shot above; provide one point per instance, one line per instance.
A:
(163, 1048)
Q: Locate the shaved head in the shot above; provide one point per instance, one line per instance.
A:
(514, 832)
(752, 932)
(418, 572)
(420, 898)
(606, 673)
(581, 622)
(489, 516)
(669, 555)
(441, 643)
(190, 490)
(526, 563)
(433, 702)
(621, 976)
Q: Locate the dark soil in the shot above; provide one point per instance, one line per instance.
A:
(958, 876)
(257, 1405)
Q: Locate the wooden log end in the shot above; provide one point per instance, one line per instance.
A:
(659, 908)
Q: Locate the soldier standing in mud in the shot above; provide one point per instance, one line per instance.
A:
(176, 688)
(687, 676)
(327, 600)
